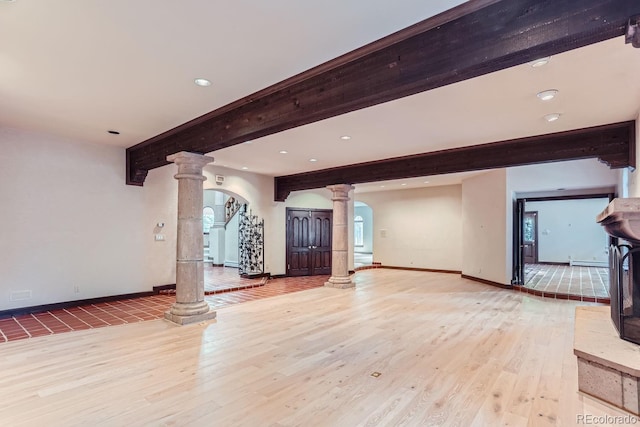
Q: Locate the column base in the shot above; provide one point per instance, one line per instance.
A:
(189, 308)
(185, 320)
(184, 313)
(340, 283)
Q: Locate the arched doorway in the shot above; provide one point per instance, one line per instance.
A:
(362, 234)
(220, 227)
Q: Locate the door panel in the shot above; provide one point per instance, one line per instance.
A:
(300, 261)
(530, 237)
(300, 232)
(308, 241)
(321, 246)
(298, 243)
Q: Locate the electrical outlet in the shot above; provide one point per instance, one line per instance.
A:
(76, 289)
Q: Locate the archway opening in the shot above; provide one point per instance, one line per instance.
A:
(362, 234)
(220, 227)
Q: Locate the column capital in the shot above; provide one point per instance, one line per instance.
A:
(187, 158)
(340, 191)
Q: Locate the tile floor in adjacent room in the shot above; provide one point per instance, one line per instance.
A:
(590, 282)
(138, 309)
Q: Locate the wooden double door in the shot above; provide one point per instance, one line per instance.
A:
(309, 241)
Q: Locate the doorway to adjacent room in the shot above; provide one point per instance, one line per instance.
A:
(559, 249)
(308, 241)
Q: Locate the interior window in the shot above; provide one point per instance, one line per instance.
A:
(358, 230)
(207, 218)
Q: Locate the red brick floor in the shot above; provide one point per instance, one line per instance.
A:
(137, 309)
(585, 282)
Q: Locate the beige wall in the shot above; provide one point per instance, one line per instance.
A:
(160, 198)
(419, 228)
(71, 228)
(485, 227)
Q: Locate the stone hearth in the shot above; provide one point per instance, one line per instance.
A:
(608, 367)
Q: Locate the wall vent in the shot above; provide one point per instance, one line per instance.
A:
(20, 295)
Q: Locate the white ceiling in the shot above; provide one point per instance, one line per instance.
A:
(78, 68)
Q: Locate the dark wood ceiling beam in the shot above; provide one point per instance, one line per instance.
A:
(613, 144)
(476, 38)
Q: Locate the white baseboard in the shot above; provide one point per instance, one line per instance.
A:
(578, 263)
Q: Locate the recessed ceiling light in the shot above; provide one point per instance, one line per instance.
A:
(313, 160)
(404, 183)
(426, 182)
(547, 95)
(283, 152)
(552, 117)
(112, 132)
(382, 186)
(345, 137)
(202, 82)
(244, 168)
(540, 62)
(248, 142)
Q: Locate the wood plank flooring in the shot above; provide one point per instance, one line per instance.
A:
(451, 352)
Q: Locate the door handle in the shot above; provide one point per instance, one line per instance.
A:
(314, 247)
(309, 247)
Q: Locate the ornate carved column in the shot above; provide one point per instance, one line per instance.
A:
(190, 305)
(340, 238)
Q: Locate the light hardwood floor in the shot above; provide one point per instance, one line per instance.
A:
(451, 352)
